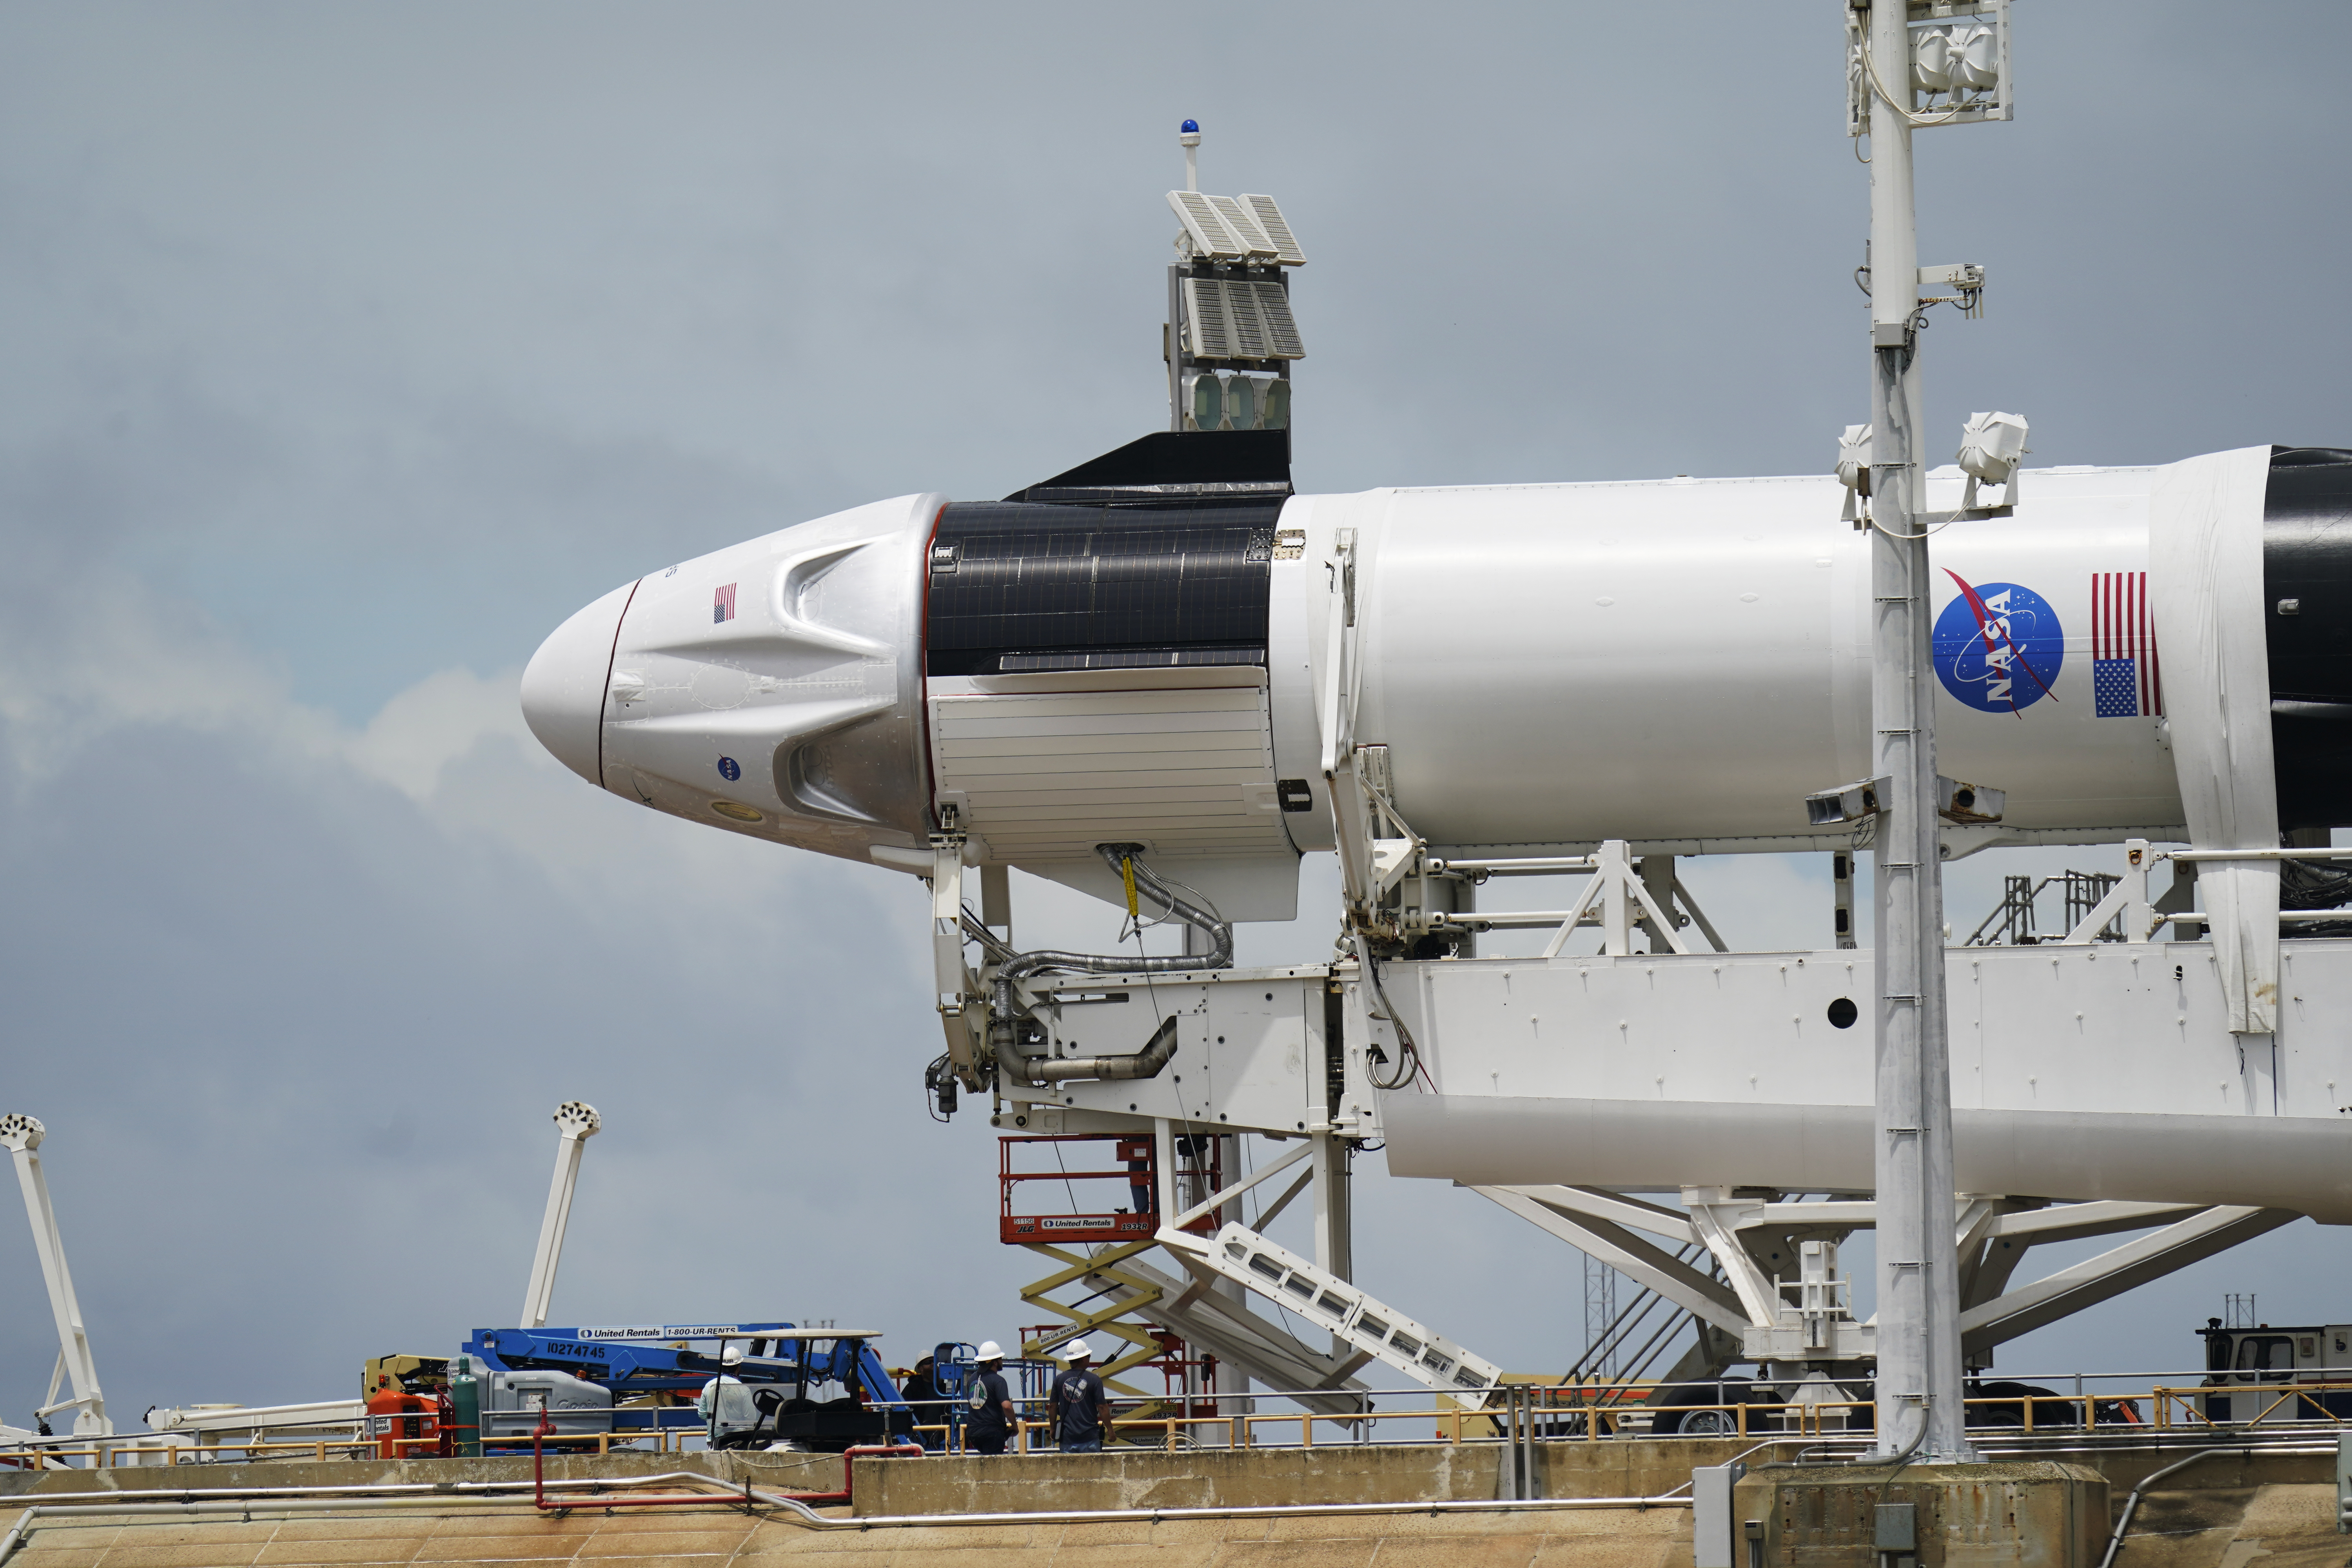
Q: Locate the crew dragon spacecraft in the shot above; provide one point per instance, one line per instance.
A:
(1156, 648)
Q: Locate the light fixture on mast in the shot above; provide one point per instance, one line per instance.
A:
(1231, 335)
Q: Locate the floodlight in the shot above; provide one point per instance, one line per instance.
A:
(1973, 57)
(1847, 803)
(1854, 457)
(1992, 446)
(1241, 403)
(1269, 219)
(1274, 413)
(1931, 59)
(1204, 400)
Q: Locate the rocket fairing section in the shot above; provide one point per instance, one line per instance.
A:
(1676, 663)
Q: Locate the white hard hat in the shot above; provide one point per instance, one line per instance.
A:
(1080, 1351)
(732, 1356)
(990, 1350)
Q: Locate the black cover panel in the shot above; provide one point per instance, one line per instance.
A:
(1017, 588)
(2307, 557)
(1175, 468)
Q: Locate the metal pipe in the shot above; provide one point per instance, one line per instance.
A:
(1523, 866)
(2131, 1503)
(1156, 1054)
(1125, 858)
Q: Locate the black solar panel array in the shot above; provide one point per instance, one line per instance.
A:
(1021, 588)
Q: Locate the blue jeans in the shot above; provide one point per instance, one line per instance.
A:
(1082, 1445)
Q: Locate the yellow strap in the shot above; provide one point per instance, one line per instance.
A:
(1126, 875)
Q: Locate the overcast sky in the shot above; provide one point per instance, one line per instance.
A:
(345, 350)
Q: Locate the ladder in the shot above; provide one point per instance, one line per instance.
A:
(1373, 1327)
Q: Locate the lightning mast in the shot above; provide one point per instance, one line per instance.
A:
(1962, 70)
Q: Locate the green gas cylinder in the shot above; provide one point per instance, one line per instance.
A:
(466, 1406)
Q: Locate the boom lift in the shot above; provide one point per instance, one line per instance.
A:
(22, 1136)
(640, 1379)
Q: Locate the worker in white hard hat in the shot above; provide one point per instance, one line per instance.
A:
(990, 1421)
(1081, 1407)
(724, 1407)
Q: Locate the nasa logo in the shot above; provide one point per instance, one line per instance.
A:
(1998, 646)
(729, 769)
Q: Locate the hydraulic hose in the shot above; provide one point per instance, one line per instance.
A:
(1125, 858)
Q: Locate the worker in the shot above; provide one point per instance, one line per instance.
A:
(708, 1400)
(1081, 1409)
(992, 1419)
(921, 1392)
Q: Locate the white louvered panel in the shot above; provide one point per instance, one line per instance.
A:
(1270, 220)
(1000, 746)
(1209, 318)
(1210, 235)
(1281, 329)
(1003, 785)
(1250, 337)
(992, 793)
(1049, 776)
(1245, 225)
(961, 728)
(1055, 704)
(1101, 811)
(1172, 765)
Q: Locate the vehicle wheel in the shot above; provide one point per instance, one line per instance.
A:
(1708, 1423)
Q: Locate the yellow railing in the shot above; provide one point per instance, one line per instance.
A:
(1603, 1410)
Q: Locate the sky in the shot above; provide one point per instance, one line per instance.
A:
(345, 351)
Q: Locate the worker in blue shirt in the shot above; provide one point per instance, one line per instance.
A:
(1081, 1409)
(989, 1419)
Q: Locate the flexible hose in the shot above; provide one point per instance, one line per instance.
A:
(1124, 859)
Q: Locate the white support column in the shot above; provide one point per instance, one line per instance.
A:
(575, 1122)
(22, 1135)
(1919, 1367)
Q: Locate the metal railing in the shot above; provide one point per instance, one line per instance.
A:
(1589, 1411)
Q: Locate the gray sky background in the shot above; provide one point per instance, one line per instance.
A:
(345, 350)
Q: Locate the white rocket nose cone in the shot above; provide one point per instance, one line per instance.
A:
(563, 685)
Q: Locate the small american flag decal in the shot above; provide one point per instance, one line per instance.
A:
(723, 605)
(2124, 682)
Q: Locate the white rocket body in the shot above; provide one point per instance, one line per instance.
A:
(1676, 663)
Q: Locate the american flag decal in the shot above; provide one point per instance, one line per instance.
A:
(723, 605)
(2124, 681)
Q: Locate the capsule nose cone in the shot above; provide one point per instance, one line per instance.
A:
(563, 685)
